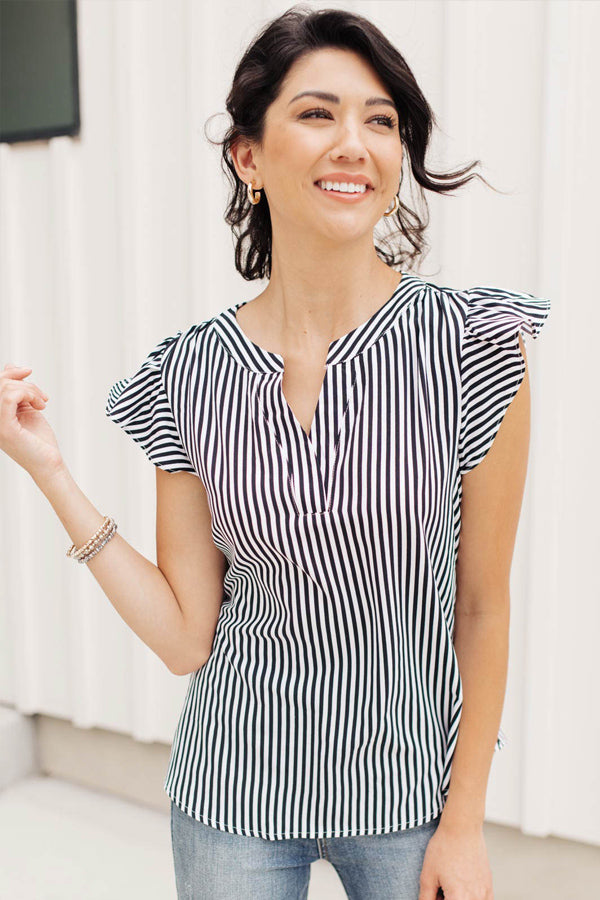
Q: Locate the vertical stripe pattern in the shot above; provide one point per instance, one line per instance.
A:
(331, 701)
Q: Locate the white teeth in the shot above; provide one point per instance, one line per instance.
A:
(344, 187)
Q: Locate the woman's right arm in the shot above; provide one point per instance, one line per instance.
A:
(135, 586)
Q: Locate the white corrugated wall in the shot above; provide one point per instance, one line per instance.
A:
(114, 239)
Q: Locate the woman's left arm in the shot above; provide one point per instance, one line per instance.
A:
(456, 856)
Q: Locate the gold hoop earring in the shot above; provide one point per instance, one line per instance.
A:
(254, 198)
(395, 207)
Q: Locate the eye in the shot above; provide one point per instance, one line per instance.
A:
(388, 121)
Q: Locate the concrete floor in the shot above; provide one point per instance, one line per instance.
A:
(60, 841)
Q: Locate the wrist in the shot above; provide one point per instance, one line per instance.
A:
(461, 817)
(47, 479)
(460, 824)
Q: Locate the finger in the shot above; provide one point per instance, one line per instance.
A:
(10, 371)
(429, 888)
(19, 393)
(17, 377)
(35, 387)
(32, 398)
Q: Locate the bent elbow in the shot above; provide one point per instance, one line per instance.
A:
(183, 667)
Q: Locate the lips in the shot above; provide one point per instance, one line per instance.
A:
(356, 178)
(368, 186)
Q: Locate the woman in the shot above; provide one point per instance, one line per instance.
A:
(318, 451)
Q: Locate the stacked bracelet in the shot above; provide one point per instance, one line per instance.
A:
(95, 543)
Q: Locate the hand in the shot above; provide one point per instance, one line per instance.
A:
(456, 861)
(25, 435)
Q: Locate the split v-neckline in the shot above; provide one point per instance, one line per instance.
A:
(312, 456)
(341, 348)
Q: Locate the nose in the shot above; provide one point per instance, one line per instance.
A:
(349, 143)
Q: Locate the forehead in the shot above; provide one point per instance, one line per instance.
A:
(334, 70)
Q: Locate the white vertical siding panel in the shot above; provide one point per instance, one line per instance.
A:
(115, 238)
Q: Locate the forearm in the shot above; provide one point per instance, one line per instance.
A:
(482, 643)
(135, 586)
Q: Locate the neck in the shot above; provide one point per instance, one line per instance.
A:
(320, 299)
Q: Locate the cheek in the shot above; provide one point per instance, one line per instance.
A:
(293, 158)
(391, 172)
(394, 160)
(286, 148)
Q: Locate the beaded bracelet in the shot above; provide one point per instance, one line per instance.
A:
(95, 543)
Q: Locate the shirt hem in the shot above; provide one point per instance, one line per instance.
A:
(245, 832)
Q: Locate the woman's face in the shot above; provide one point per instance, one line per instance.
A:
(310, 138)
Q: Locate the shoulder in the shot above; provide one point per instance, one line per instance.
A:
(183, 345)
(489, 312)
(499, 314)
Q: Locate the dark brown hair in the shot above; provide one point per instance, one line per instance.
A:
(256, 84)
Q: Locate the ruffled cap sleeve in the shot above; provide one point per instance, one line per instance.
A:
(139, 404)
(492, 365)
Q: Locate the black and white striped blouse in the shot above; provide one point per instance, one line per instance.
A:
(331, 701)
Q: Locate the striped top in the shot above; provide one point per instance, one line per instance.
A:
(331, 700)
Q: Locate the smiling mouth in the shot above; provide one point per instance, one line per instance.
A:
(346, 195)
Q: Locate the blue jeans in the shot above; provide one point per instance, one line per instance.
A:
(218, 865)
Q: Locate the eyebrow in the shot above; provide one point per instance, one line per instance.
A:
(324, 95)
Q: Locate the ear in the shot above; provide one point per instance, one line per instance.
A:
(242, 154)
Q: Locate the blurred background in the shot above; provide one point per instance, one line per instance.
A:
(112, 236)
